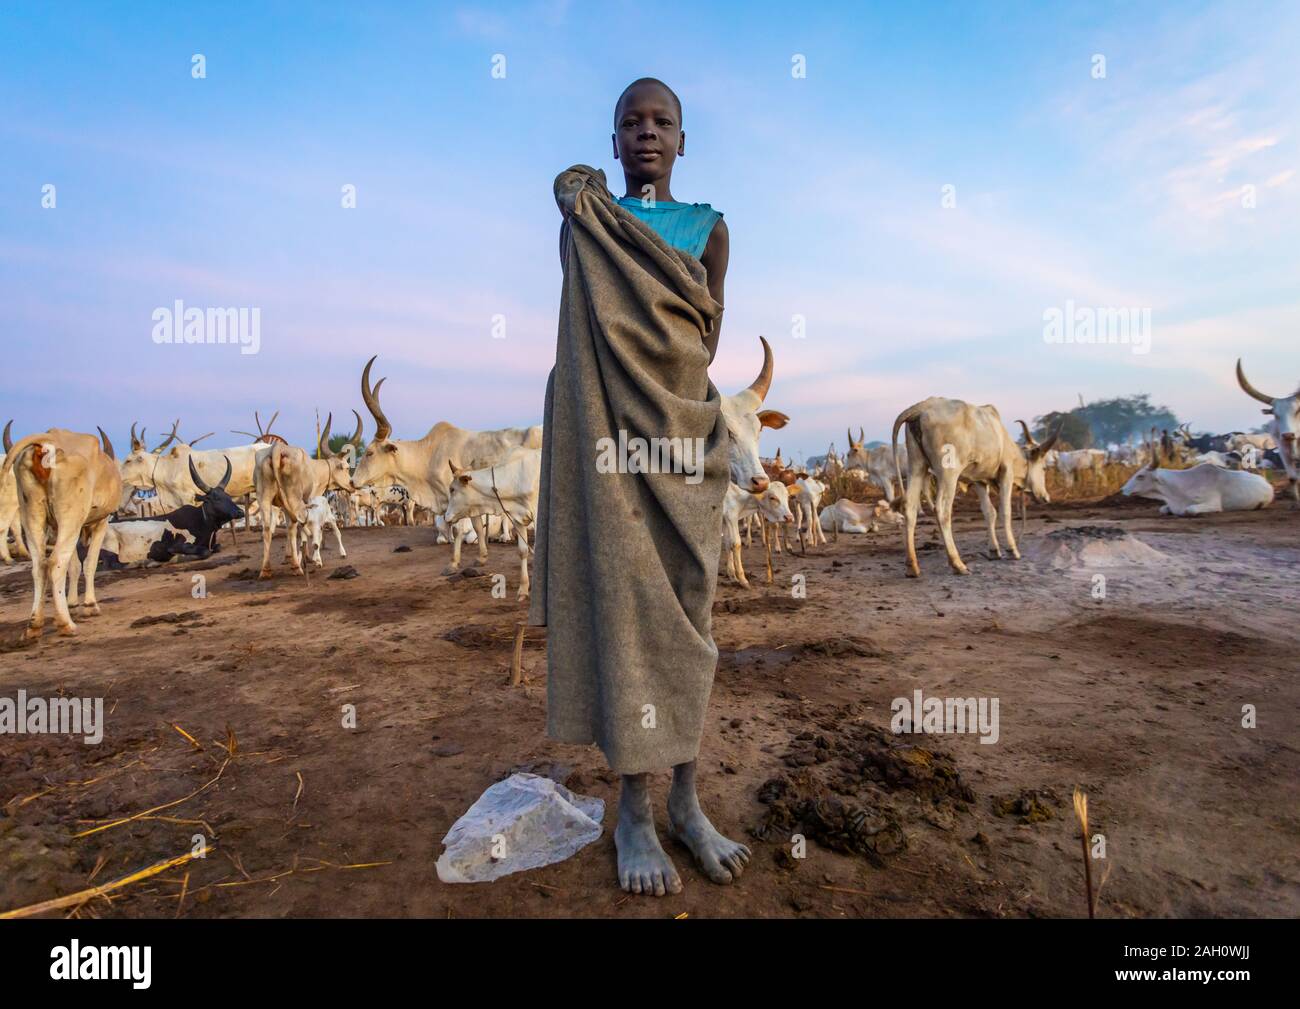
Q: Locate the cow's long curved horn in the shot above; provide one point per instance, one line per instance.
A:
(108, 445)
(171, 437)
(1029, 438)
(356, 435)
(862, 435)
(1249, 389)
(8, 437)
(201, 437)
(371, 396)
(323, 442)
(849, 434)
(763, 383)
(271, 423)
(198, 480)
(135, 441)
(226, 478)
(1045, 447)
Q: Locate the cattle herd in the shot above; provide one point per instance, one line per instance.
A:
(67, 501)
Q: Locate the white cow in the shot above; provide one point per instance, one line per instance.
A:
(1080, 463)
(10, 524)
(845, 516)
(956, 441)
(508, 488)
(771, 505)
(879, 464)
(318, 517)
(1284, 428)
(1200, 490)
(70, 482)
(805, 501)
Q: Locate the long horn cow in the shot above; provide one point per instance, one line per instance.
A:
(1284, 427)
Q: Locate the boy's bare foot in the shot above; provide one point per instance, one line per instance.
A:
(720, 858)
(643, 865)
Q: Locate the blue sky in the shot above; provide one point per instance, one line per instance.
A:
(1124, 191)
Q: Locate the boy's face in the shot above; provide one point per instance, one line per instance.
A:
(648, 133)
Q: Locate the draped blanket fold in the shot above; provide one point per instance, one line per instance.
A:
(626, 561)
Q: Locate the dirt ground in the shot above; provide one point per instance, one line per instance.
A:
(1137, 698)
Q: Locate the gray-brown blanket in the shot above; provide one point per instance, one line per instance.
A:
(626, 561)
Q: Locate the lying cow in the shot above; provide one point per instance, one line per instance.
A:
(958, 442)
(1201, 490)
(187, 531)
(771, 505)
(845, 516)
(508, 488)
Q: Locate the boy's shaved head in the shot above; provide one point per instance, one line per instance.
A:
(641, 82)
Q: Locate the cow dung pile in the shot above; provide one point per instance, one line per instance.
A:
(851, 785)
(1093, 546)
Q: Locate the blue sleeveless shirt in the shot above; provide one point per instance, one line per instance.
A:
(684, 226)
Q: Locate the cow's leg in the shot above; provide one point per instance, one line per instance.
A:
(1005, 493)
(1294, 486)
(918, 476)
(295, 557)
(990, 518)
(64, 549)
(943, 510)
(458, 535)
(266, 519)
(480, 527)
(90, 605)
(524, 585)
(337, 535)
(33, 516)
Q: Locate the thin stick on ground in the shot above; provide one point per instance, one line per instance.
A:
(148, 812)
(517, 660)
(1081, 811)
(82, 896)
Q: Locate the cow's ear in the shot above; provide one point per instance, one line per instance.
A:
(772, 418)
(464, 478)
(389, 447)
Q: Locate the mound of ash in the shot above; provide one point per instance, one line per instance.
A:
(852, 786)
(1093, 546)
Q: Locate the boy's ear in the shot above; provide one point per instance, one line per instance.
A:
(613, 140)
(681, 144)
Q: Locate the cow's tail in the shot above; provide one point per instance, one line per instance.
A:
(279, 458)
(910, 417)
(42, 464)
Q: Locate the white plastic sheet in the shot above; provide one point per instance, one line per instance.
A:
(523, 822)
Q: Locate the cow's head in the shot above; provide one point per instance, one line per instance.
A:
(138, 466)
(380, 459)
(1285, 413)
(340, 471)
(464, 496)
(1146, 481)
(1031, 465)
(774, 503)
(218, 506)
(745, 421)
(856, 456)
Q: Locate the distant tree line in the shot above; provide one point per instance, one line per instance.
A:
(1098, 424)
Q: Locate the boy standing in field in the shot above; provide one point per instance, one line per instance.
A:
(626, 562)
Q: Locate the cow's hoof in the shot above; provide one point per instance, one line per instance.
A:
(67, 630)
(264, 575)
(963, 570)
(90, 610)
(32, 633)
(1015, 555)
(450, 569)
(522, 597)
(343, 553)
(913, 572)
